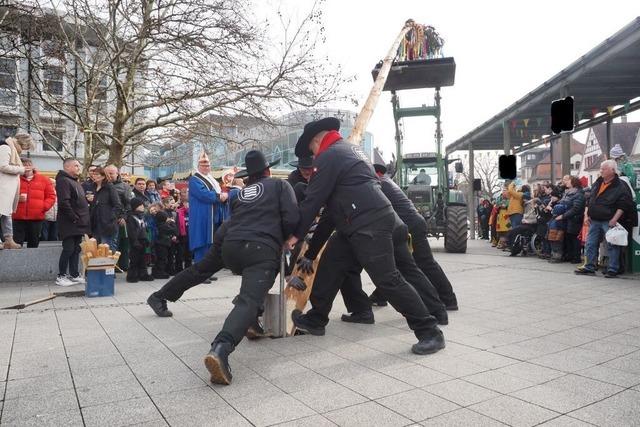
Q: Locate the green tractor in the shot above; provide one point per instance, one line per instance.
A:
(424, 176)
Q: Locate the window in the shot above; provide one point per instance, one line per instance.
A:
(8, 94)
(53, 80)
(53, 140)
(6, 131)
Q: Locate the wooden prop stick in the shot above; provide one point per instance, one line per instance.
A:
(27, 304)
(367, 110)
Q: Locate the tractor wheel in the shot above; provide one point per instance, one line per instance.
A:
(455, 238)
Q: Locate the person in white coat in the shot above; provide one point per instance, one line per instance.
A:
(10, 170)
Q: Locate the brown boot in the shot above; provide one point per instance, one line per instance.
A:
(10, 244)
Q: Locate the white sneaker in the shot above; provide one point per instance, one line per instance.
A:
(64, 281)
(78, 280)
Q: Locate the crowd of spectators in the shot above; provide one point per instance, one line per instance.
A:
(563, 222)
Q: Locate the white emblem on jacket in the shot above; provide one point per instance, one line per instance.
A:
(251, 193)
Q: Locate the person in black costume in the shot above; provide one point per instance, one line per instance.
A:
(137, 234)
(303, 171)
(345, 182)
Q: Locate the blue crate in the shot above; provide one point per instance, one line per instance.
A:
(99, 283)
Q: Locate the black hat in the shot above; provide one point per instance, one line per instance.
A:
(303, 162)
(161, 217)
(135, 202)
(255, 163)
(380, 168)
(311, 129)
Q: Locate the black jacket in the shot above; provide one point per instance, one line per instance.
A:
(142, 196)
(124, 192)
(296, 177)
(166, 230)
(137, 231)
(346, 183)
(575, 210)
(73, 209)
(105, 210)
(400, 202)
(264, 211)
(616, 196)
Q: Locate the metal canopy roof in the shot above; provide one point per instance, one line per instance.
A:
(606, 76)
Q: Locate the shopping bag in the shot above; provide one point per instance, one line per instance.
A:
(617, 236)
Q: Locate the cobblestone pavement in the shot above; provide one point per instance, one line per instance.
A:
(532, 344)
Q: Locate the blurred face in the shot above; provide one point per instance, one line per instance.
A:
(28, 168)
(204, 168)
(112, 173)
(98, 178)
(547, 190)
(184, 195)
(141, 186)
(306, 172)
(314, 145)
(140, 208)
(151, 186)
(566, 181)
(607, 172)
(73, 168)
(153, 210)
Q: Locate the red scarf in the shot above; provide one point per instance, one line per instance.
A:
(329, 139)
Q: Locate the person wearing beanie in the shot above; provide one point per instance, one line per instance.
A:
(138, 241)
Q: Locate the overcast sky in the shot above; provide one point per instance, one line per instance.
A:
(502, 50)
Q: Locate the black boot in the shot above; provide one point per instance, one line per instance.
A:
(303, 324)
(159, 305)
(430, 344)
(442, 316)
(217, 362)
(365, 317)
(377, 300)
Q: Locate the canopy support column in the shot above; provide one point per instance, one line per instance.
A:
(471, 203)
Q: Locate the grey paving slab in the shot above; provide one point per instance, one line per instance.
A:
(22, 408)
(572, 360)
(270, 409)
(312, 421)
(99, 394)
(461, 418)
(417, 405)
(370, 413)
(461, 392)
(629, 363)
(223, 417)
(499, 381)
(374, 384)
(71, 418)
(610, 375)
(513, 411)
(567, 393)
(185, 402)
(530, 372)
(565, 421)
(418, 376)
(93, 376)
(621, 409)
(328, 397)
(37, 385)
(125, 412)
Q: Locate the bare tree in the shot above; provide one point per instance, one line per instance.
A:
(485, 169)
(137, 71)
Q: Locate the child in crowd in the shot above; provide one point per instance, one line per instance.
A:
(183, 256)
(138, 242)
(152, 232)
(167, 237)
(557, 228)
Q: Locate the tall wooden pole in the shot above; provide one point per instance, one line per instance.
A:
(367, 110)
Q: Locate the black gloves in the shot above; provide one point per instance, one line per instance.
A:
(296, 283)
(305, 265)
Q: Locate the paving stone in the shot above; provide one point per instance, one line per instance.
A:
(125, 412)
(621, 409)
(54, 419)
(565, 421)
(530, 372)
(610, 348)
(488, 359)
(114, 374)
(572, 360)
(366, 414)
(461, 392)
(99, 394)
(461, 418)
(567, 393)
(184, 402)
(32, 406)
(313, 421)
(374, 385)
(629, 363)
(513, 412)
(417, 404)
(35, 385)
(167, 381)
(610, 375)
(454, 367)
(328, 397)
(498, 381)
(270, 409)
(418, 376)
(224, 417)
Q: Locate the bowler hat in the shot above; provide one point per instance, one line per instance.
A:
(255, 163)
(311, 129)
(303, 162)
(380, 168)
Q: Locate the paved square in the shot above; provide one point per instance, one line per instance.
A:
(532, 344)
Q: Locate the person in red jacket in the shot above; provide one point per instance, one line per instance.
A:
(37, 195)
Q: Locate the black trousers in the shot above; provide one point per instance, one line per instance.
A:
(258, 265)
(356, 300)
(137, 264)
(192, 276)
(183, 256)
(27, 231)
(371, 247)
(70, 256)
(160, 267)
(571, 244)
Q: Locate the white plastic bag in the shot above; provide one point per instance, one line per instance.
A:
(617, 236)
